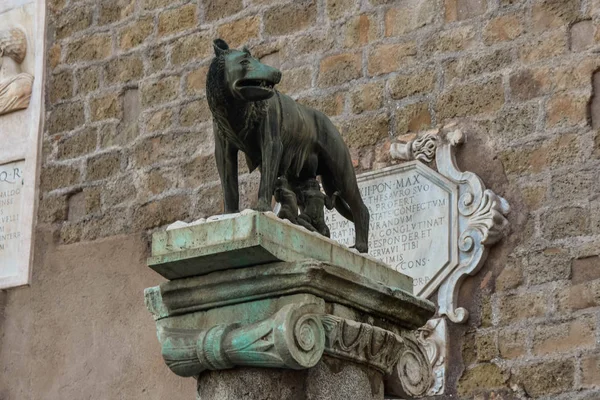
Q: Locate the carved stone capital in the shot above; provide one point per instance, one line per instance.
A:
(293, 338)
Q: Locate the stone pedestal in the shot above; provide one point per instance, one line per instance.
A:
(264, 309)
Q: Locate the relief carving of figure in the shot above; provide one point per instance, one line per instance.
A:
(15, 85)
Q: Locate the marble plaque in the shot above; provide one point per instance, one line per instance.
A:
(413, 224)
(22, 38)
(11, 191)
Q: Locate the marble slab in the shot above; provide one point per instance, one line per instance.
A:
(413, 223)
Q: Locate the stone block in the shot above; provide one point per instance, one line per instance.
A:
(177, 19)
(512, 343)
(387, 58)
(54, 55)
(61, 86)
(567, 109)
(330, 105)
(88, 80)
(585, 269)
(543, 47)
(519, 307)
(578, 334)
(161, 212)
(503, 28)
(156, 59)
(217, 9)
(211, 203)
(527, 84)
(59, 176)
(590, 369)
(516, 121)
(337, 9)
(89, 48)
(193, 47)
(52, 208)
(66, 117)
(566, 222)
(511, 276)
(77, 144)
(194, 113)
(106, 107)
(412, 118)
(583, 35)
(549, 265)
(486, 346)
(195, 80)
(159, 120)
(419, 82)
(367, 97)
(457, 10)
(470, 99)
(451, 40)
(340, 68)
(467, 67)
(360, 30)
(200, 170)
(103, 166)
(239, 32)
(296, 80)
(581, 185)
(482, 377)
(366, 130)
(409, 16)
(548, 14)
(289, 18)
(579, 297)
(119, 191)
(115, 10)
(545, 378)
(167, 146)
(72, 20)
(161, 91)
(136, 33)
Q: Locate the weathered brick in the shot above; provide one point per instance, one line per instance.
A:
(549, 265)
(165, 147)
(240, 31)
(103, 166)
(533, 196)
(157, 181)
(73, 19)
(337, 9)
(503, 28)
(574, 185)
(548, 14)
(302, 45)
(467, 67)
(457, 10)
(162, 91)
(360, 30)
(340, 68)
(518, 307)
(161, 212)
(567, 109)
(217, 9)
(106, 107)
(451, 40)
(559, 151)
(406, 85)
(194, 113)
(569, 336)
(288, 18)
(529, 83)
(470, 99)
(590, 369)
(367, 97)
(119, 191)
(195, 81)
(88, 80)
(115, 10)
(200, 170)
(412, 118)
(565, 222)
(296, 80)
(52, 208)
(89, 48)
(59, 176)
(136, 33)
(544, 378)
(544, 47)
(486, 346)
(159, 120)
(66, 117)
(579, 297)
(124, 69)
(197, 46)
(511, 276)
(516, 121)
(177, 19)
(156, 59)
(582, 35)
(212, 200)
(54, 55)
(153, 4)
(78, 144)
(512, 343)
(330, 105)
(61, 86)
(585, 269)
(411, 15)
(366, 130)
(112, 223)
(387, 58)
(482, 377)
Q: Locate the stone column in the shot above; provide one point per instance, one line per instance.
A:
(265, 310)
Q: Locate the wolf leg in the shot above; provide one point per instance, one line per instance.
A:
(227, 165)
(272, 150)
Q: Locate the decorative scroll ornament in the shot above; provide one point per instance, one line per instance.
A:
(433, 338)
(412, 375)
(481, 214)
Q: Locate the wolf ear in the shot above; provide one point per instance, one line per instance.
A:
(220, 46)
(246, 50)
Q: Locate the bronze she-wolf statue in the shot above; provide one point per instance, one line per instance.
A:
(282, 137)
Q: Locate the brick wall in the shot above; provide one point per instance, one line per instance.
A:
(128, 140)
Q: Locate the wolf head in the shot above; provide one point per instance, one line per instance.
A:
(242, 76)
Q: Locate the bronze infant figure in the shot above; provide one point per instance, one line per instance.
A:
(278, 135)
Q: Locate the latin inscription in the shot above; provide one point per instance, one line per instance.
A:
(11, 189)
(410, 227)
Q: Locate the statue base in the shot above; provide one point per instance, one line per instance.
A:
(265, 309)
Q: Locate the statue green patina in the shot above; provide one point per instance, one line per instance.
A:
(282, 137)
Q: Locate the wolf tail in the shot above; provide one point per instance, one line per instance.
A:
(332, 192)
